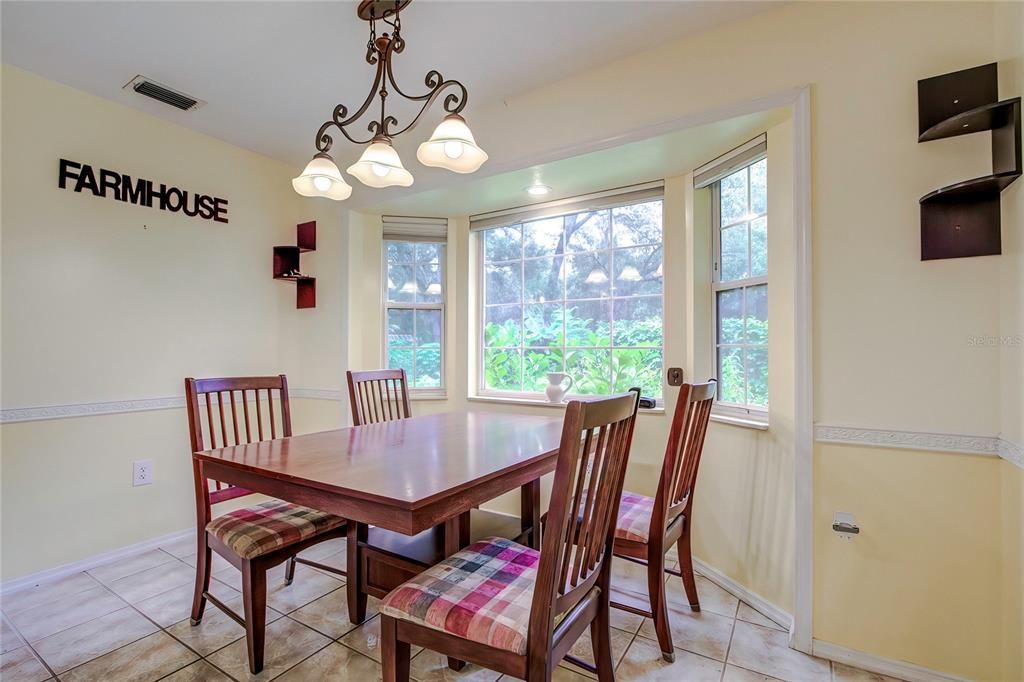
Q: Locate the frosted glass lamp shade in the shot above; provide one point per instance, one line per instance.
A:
(452, 146)
(321, 178)
(379, 166)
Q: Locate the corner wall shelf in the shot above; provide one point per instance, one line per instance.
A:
(963, 219)
(286, 263)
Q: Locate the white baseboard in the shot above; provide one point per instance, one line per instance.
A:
(59, 572)
(765, 607)
(878, 664)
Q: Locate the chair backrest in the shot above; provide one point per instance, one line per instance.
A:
(378, 395)
(682, 454)
(216, 398)
(580, 531)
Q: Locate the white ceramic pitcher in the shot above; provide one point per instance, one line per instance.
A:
(555, 391)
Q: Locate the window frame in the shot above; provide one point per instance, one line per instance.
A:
(570, 209)
(440, 391)
(744, 412)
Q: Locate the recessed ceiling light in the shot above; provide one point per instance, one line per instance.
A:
(538, 190)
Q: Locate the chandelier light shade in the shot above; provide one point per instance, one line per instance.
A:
(379, 166)
(321, 178)
(452, 145)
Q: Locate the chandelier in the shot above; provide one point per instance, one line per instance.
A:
(451, 146)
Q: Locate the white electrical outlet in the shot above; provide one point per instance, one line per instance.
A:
(142, 472)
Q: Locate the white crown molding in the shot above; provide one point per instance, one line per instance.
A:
(94, 409)
(879, 664)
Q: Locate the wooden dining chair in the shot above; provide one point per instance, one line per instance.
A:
(513, 609)
(252, 539)
(647, 527)
(378, 395)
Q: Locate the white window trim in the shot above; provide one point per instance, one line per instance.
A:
(435, 392)
(732, 413)
(597, 201)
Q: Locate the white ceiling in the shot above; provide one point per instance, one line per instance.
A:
(645, 160)
(271, 72)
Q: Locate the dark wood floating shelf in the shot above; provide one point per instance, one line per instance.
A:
(286, 261)
(963, 219)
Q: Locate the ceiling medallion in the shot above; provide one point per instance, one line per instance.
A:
(451, 146)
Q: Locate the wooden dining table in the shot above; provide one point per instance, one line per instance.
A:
(409, 488)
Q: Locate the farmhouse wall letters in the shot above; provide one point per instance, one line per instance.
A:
(141, 192)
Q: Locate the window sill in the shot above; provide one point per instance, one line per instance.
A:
(497, 400)
(744, 422)
(427, 395)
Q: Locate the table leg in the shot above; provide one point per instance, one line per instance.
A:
(357, 533)
(530, 512)
(456, 536)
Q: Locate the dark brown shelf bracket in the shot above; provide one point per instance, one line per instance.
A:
(286, 265)
(963, 219)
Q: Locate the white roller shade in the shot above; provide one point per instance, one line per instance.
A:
(415, 229)
(725, 164)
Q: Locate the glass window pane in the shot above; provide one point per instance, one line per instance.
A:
(759, 247)
(590, 369)
(637, 271)
(637, 367)
(503, 243)
(587, 275)
(638, 321)
(734, 197)
(757, 314)
(503, 326)
(730, 375)
(734, 253)
(400, 330)
(427, 252)
(536, 365)
(428, 368)
(543, 280)
(757, 376)
(730, 316)
(399, 252)
(428, 328)
(543, 325)
(401, 358)
(428, 283)
(504, 283)
(587, 231)
(637, 224)
(542, 237)
(759, 187)
(588, 323)
(502, 369)
(402, 285)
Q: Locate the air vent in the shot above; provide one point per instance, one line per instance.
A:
(161, 93)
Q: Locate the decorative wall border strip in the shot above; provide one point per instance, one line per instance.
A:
(908, 440)
(1011, 452)
(32, 414)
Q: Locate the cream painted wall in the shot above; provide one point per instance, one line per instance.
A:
(105, 301)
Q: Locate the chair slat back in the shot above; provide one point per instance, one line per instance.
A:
(683, 452)
(596, 439)
(378, 395)
(214, 407)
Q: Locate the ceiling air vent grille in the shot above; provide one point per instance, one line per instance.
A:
(161, 93)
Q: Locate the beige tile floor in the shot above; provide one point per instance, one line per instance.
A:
(129, 621)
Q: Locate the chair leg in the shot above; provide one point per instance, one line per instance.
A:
(601, 637)
(254, 596)
(289, 571)
(204, 561)
(659, 605)
(686, 568)
(394, 654)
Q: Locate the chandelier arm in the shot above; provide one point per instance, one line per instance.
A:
(339, 120)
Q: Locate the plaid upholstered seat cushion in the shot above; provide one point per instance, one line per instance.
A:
(254, 531)
(634, 522)
(482, 594)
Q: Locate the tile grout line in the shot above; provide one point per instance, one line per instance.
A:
(732, 633)
(10, 624)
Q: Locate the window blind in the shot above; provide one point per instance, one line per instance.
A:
(413, 229)
(586, 202)
(725, 164)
